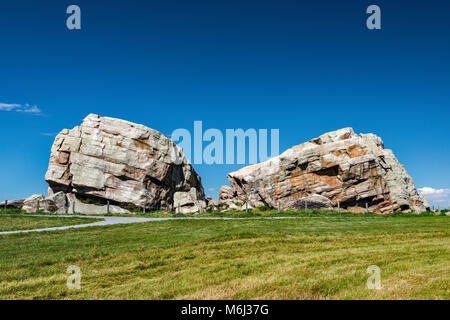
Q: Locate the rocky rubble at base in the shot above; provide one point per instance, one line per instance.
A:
(339, 168)
(62, 204)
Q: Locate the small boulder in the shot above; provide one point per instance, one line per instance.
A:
(314, 201)
(188, 202)
(76, 206)
(60, 201)
(18, 204)
(33, 203)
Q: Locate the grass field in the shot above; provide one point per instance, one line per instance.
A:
(251, 213)
(306, 258)
(22, 222)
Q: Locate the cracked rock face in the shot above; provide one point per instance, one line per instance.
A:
(344, 167)
(120, 161)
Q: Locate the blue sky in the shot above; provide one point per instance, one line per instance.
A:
(302, 67)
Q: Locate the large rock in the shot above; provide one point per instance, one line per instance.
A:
(342, 166)
(188, 202)
(126, 163)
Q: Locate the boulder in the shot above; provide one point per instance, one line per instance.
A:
(18, 204)
(232, 206)
(59, 199)
(38, 202)
(127, 163)
(237, 206)
(341, 166)
(211, 202)
(30, 204)
(76, 206)
(228, 198)
(315, 201)
(188, 202)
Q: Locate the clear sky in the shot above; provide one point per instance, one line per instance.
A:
(303, 67)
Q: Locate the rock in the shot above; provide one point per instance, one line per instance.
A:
(314, 201)
(59, 199)
(212, 205)
(226, 193)
(38, 202)
(212, 202)
(237, 206)
(342, 166)
(18, 204)
(245, 206)
(188, 202)
(228, 198)
(120, 161)
(87, 208)
(229, 201)
(30, 204)
(231, 206)
(48, 204)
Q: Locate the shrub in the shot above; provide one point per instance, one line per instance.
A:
(264, 208)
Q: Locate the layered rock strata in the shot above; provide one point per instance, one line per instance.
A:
(350, 170)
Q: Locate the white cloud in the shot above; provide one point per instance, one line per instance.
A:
(9, 107)
(436, 197)
(19, 108)
(432, 191)
(30, 109)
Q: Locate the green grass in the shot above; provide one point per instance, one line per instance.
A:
(27, 222)
(308, 258)
(256, 213)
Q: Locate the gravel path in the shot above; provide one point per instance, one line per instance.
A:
(124, 220)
